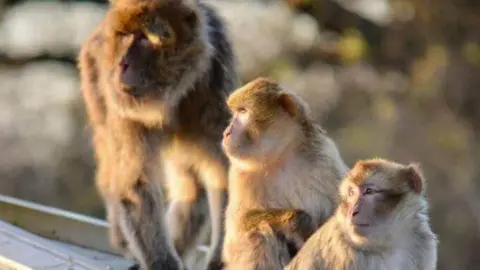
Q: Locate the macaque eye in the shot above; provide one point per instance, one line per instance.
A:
(160, 34)
(241, 110)
(369, 191)
(165, 31)
(350, 192)
(121, 33)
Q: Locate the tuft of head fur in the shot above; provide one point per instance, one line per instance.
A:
(388, 174)
(268, 98)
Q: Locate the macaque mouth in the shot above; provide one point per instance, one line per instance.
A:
(353, 211)
(357, 223)
(225, 143)
(130, 81)
(123, 66)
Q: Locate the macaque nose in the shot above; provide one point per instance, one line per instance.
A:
(124, 66)
(227, 132)
(130, 77)
(355, 210)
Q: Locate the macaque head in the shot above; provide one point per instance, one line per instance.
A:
(379, 198)
(153, 49)
(266, 121)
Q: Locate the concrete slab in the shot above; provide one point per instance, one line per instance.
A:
(20, 249)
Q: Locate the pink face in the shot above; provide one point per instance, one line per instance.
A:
(231, 128)
(367, 206)
(237, 138)
(372, 198)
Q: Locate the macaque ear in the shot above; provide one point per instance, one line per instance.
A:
(414, 178)
(288, 103)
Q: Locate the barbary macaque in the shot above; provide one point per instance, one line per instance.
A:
(381, 223)
(155, 75)
(281, 164)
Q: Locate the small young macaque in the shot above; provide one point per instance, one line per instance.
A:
(283, 176)
(381, 223)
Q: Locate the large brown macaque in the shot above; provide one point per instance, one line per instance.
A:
(381, 223)
(155, 75)
(283, 176)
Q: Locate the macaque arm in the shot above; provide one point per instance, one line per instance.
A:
(293, 224)
(90, 78)
(133, 188)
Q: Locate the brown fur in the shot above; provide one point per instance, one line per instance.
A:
(154, 76)
(398, 234)
(279, 160)
(296, 221)
(261, 249)
(290, 227)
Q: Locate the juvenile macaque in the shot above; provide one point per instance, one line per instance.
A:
(280, 162)
(381, 223)
(154, 76)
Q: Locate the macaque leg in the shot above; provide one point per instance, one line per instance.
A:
(141, 221)
(115, 233)
(217, 199)
(116, 237)
(105, 182)
(137, 198)
(214, 177)
(185, 214)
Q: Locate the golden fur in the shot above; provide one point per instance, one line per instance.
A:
(403, 240)
(154, 76)
(286, 162)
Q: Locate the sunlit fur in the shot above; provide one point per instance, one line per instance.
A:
(155, 75)
(401, 239)
(172, 70)
(290, 164)
(272, 130)
(257, 250)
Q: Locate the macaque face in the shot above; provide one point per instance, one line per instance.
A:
(368, 206)
(241, 136)
(258, 135)
(371, 198)
(151, 46)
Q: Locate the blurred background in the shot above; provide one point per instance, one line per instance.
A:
(387, 78)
